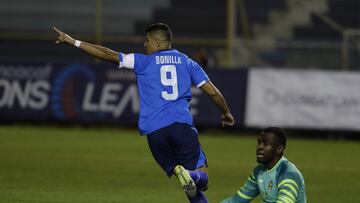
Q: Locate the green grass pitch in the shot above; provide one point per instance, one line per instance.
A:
(46, 165)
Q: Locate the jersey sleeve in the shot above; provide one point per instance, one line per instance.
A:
(288, 187)
(133, 61)
(198, 75)
(248, 191)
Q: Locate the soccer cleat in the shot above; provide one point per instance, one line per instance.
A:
(186, 181)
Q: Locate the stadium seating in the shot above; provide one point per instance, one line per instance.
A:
(344, 12)
(199, 19)
(188, 18)
(320, 43)
(207, 19)
(258, 12)
(75, 17)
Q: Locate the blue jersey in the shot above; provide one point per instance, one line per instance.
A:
(282, 184)
(164, 79)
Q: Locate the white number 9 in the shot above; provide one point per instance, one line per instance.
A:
(172, 81)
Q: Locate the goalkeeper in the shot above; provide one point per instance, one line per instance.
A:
(275, 178)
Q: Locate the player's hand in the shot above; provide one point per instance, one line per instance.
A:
(63, 37)
(227, 119)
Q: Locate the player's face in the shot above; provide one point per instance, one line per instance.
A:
(266, 150)
(150, 44)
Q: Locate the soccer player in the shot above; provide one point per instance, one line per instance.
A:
(275, 178)
(164, 77)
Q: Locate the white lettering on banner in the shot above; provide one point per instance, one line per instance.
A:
(33, 94)
(19, 94)
(86, 104)
(5, 89)
(109, 100)
(129, 96)
(109, 96)
(41, 97)
(273, 97)
(303, 99)
(25, 72)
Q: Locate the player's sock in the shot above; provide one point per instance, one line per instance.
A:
(200, 178)
(199, 198)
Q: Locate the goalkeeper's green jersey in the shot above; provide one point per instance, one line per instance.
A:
(282, 184)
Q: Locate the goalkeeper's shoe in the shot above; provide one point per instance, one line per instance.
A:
(186, 181)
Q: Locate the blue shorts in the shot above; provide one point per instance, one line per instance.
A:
(176, 144)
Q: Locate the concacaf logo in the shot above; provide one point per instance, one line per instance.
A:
(67, 87)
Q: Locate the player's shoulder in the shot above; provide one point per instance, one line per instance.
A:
(288, 171)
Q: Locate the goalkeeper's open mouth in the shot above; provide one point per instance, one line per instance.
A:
(259, 155)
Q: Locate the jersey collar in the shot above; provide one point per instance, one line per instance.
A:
(163, 50)
(276, 165)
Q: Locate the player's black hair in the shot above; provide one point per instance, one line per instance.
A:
(162, 28)
(279, 133)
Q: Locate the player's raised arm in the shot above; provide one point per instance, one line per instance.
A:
(93, 49)
(217, 97)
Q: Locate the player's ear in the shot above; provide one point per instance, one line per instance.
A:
(157, 43)
(280, 149)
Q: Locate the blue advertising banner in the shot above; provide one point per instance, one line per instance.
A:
(25, 91)
(99, 93)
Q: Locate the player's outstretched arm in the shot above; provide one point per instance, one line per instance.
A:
(93, 49)
(217, 97)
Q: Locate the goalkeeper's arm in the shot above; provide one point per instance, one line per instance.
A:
(93, 49)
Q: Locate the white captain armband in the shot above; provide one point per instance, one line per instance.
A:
(126, 61)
